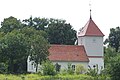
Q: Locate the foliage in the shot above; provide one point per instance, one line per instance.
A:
(93, 71)
(17, 45)
(13, 48)
(98, 75)
(70, 69)
(67, 71)
(109, 54)
(3, 68)
(39, 77)
(29, 38)
(37, 23)
(112, 63)
(10, 24)
(48, 68)
(60, 32)
(114, 69)
(38, 45)
(63, 72)
(80, 69)
(114, 38)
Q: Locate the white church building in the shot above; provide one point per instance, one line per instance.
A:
(88, 52)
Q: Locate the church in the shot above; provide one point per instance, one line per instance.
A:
(88, 52)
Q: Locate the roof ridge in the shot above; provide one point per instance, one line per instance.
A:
(64, 45)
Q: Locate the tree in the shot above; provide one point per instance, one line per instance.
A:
(30, 31)
(37, 23)
(115, 68)
(39, 50)
(10, 24)
(112, 63)
(60, 32)
(13, 52)
(38, 45)
(17, 45)
(114, 38)
(40, 23)
(109, 53)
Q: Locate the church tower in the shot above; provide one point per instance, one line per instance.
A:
(92, 38)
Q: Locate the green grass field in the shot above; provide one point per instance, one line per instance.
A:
(39, 77)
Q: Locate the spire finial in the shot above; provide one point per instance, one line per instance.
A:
(90, 9)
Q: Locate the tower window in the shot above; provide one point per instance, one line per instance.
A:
(94, 40)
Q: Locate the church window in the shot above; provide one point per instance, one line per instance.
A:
(57, 67)
(73, 67)
(32, 66)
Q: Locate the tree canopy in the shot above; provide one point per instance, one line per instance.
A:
(10, 24)
(37, 22)
(17, 45)
(31, 38)
(114, 38)
(13, 51)
(58, 31)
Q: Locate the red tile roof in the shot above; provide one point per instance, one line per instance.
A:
(90, 29)
(67, 53)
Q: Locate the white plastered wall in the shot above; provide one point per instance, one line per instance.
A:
(64, 65)
(94, 48)
(93, 45)
(97, 61)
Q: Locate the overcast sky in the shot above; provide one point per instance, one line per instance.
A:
(105, 13)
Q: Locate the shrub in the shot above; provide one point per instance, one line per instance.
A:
(70, 70)
(48, 68)
(93, 72)
(80, 69)
(3, 68)
(63, 72)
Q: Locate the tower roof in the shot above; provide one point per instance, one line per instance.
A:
(90, 29)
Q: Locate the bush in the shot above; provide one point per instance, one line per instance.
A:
(70, 70)
(93, 72)
(80, 69)
(3, 68)
(98, 75)
(48, 68)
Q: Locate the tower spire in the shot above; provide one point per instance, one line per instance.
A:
(90, 14)
(90, 9)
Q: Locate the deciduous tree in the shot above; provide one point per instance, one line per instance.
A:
(10, 24)
(114, 38)
(60, 32)
(13, 52)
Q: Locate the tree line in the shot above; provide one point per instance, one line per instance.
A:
(112, 54)
(30, 37)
